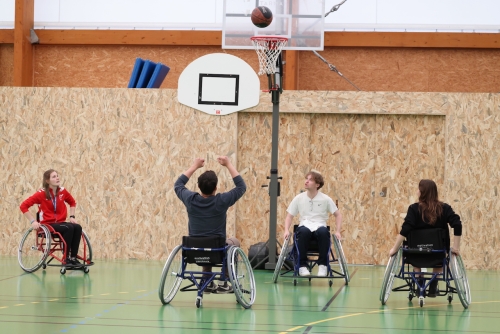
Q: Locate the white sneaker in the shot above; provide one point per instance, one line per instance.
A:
(303, 271)
(322, 270)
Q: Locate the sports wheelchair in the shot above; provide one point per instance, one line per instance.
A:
(184, 261)
(290, 253)
(426, 248)
(39, 244)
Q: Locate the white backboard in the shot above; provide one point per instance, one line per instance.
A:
(219, 84)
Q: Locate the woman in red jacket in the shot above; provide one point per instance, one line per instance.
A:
(52, 200)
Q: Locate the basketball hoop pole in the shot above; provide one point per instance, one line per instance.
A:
(270, 62)
(275, 88)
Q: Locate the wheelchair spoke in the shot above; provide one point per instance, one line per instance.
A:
(171, 279)
(241, 277)
(33, 249)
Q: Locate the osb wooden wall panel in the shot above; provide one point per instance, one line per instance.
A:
(472, 179)
(407, 149)
(6, 64)
(343, 151)
(119, 153)
(403, 69)
(448, 135)
(111, 66)
(254, 160)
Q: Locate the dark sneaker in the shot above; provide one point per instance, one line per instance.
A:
(433, 289)
(73, 262)
(224, 288)
(211, 288)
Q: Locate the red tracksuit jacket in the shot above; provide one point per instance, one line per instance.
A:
(48, 212)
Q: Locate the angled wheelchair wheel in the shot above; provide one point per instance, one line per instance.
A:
(85, 251)
(341, 258)
(171, 278)
(34, 249)
(460, 277)
(241, 276)
(391, 271)
(281, 259)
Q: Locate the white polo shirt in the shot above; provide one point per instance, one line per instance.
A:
(313, 212)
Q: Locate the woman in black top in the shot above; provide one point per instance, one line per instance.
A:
(429, 212)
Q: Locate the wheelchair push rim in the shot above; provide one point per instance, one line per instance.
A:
(281, 259)
(34, 249)
(85, 251)
(341, 259)
(171, 276)
(391, 271)
(460, 278)
(241, 276)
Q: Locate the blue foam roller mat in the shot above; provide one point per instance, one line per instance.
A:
(136, 72)
(158, 76)
(146, 73)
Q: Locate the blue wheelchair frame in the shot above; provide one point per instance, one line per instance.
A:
(417, 282)
(294, 257)
(233, 262)
(202, 279)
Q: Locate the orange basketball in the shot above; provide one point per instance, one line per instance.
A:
(262, 16)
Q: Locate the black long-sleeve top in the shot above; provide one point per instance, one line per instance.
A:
(413, 221)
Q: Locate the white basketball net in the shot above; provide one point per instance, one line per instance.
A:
(268, 49)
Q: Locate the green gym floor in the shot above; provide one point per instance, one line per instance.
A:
(121, 297)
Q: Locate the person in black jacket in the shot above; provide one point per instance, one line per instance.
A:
(429, 212)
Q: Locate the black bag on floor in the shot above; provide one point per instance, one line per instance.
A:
(257, 255)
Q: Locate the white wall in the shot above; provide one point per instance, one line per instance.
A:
(354, 15)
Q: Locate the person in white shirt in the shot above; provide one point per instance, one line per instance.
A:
(314, 208)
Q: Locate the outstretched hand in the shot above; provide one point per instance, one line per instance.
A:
(198, 163)
(223, 160)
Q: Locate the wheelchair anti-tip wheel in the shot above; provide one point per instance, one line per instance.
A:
(281, 259)
(241, 276)
(460, 278)
(390, 272)
(34, 249)
(341, 258)
(171, 280)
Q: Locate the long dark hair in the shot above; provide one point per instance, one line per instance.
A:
(428, 202)
(45, 183)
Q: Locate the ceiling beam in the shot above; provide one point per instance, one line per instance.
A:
(214, 38)
(130, 37)
(23, 49)
(413, 40)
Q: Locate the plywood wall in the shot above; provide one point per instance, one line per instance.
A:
(119, 152)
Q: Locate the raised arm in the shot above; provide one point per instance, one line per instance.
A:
(197, 163)
(224, 161)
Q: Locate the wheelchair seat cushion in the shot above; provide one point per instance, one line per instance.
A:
(201, 257)
(421, 243)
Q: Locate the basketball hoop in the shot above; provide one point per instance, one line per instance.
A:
(268, 49)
